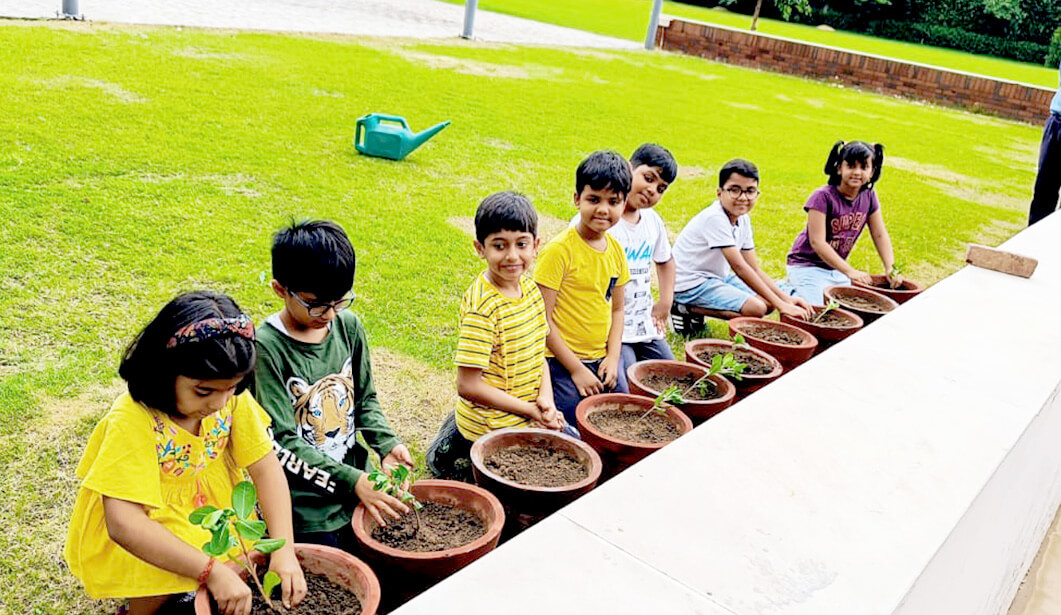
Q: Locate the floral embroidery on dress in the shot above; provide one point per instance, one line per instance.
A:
(178, 460)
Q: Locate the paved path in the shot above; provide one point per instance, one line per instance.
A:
(406, 18)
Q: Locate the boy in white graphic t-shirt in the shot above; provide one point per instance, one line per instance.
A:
(643, 236)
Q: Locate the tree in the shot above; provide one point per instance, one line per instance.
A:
(785, 7)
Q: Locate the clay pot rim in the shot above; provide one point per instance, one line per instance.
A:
(841, 288)
(917, 287)
(730, 391)
(369, 603)
(856, 320)
(692, 345)
(809, 341)
(596, 466)
(493, 530)
(582, 415)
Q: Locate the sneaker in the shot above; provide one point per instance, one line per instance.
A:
(685, 322)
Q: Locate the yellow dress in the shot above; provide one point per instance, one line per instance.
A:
(140, 455)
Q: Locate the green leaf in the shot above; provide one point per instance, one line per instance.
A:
(244, 497)
(220, 542)
(400, 474)
(199, 514)
(215, 519)
(250, 530)
(269, 582)
(268, 545)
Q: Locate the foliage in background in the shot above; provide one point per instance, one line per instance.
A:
(1053, 56)
(956, 38)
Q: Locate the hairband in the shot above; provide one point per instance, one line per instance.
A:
(212, 328)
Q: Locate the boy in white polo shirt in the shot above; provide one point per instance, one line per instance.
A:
(715, 254)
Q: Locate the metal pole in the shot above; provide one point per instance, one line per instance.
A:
(469, 17)
(70, 9)
(653, 24)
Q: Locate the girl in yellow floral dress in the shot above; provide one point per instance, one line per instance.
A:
(179, 439)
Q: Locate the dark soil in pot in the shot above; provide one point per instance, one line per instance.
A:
(537, 466)
(439, 527)
(756, 366)
(628, 425)
(661, 382)
(865, 304)
(831, 319)
(322, 598)
(772, 334)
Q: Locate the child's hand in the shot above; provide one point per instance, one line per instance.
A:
(292, 582)
(398, 455)
(551, 417)
(794, 311)
(660, 316)
(860, 276)
(895, 281)
(378, 503)
(609, 372)
(586, 381)
(803, 303)
(232, 595)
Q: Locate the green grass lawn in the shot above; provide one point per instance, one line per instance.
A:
(629, 19)
(137, 162)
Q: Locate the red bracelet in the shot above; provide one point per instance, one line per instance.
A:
(205, 574)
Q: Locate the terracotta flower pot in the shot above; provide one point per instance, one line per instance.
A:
(844, 293)
(616, 453)
(749, 383)
(404, 574)
(697, 410)
(906, 291)
(338, 566)
(827, 336)
(525, 505)
(790, 355)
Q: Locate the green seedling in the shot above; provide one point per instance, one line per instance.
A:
(832, 305)
(233, 527)
(393, 484)
(723, 364)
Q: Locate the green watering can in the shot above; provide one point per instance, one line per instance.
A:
(392, 140)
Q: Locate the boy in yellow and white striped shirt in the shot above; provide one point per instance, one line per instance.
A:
(502, 376)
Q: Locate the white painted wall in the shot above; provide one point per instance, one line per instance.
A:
(912, 469)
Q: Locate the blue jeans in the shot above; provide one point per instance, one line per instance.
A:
(1048, 180)
(565, 393)
(729, 294)
(810, 282)
(643, 351)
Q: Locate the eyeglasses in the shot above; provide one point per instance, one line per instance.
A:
(316, 310)
(736, 191)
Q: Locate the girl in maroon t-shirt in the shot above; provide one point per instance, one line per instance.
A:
(836, 215)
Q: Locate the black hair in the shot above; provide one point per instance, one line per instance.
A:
(652, 155)
(315, 257)
(505, 211)
(604, 169)
(150, 366)
(739, 166)
(852, 152)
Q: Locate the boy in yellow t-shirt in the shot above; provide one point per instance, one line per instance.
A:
(502, 376)
(581, 274)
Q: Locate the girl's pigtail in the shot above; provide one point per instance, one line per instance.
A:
(832, 164)
(878, 164)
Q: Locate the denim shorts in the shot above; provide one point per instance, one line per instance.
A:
(810, 282)
(717, 294)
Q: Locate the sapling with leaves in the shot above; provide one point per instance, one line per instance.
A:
(393, 484)
(722, 364)
(235, 527)
(832, 305)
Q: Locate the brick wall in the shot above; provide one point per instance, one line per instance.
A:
(1028, 103)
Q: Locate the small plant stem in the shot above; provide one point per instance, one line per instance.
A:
(250, 567)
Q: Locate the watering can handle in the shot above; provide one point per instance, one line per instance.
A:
(357, 134)
(393, 118)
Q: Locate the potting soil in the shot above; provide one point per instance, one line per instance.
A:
(774, 335)
(866, 304)
(754, 365)
(661, 382)
(537, 466)
(440, 527)
(630, 426)
(831, 319)
(322, 598)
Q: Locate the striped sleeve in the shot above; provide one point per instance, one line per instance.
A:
(476, 338)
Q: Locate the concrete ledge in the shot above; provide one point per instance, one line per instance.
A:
(1005, 98)
(912, 469)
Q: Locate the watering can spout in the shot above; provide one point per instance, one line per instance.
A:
(420, 138)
